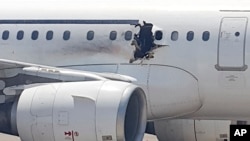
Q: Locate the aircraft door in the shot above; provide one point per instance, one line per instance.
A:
(231, 45)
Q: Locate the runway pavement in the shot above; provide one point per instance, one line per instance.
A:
(148, 137)
(4, 137)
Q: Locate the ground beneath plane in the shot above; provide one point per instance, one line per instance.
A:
(4, 137)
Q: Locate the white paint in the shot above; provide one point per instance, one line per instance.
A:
(231, 47)
(239, 132)
(147, 137)
(197, 57)
(83, 110)
(173, 89)
(192, 130)
(199, 92)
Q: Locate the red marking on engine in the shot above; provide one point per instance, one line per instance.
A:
(67, 133)
(71, 134)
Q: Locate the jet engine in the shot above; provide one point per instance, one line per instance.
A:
(89, 111)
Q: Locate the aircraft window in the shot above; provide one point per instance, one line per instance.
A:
(19, 35)
(34, 35)
(90, 35)
(206, 36)
(237, 34)
(112, 35)
(49, 35)
(66, 35)
(128, 35)
(5, 35)
(174, 36)
(190, 35)
(158, 35)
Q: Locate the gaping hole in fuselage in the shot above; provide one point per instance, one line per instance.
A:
(143, 41)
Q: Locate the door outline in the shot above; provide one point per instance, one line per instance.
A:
(231, 68)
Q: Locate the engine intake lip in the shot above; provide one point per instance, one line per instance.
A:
(132, 115)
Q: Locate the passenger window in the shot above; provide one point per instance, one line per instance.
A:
(20, 35)
(66, 35)
(128, 35)
(34, 35)
(112, 35)
(174, 36)
(205, 35)
(190, 35)
(237, 34)
(158, 35)
(49, 35)
(90, 35)
(5, 35)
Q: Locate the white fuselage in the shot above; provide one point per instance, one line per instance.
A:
(221, 37)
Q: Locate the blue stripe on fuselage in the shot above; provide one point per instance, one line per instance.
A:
(131, 22)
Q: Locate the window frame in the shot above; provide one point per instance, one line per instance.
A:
(128, 35)
(207, 37)
(190, 35)
(161, 35)
(90, 35)
(49, 35)
(35, 35)
(113, 35)
(5, 35)
(174, 35)
(66, 35)
(20, 35)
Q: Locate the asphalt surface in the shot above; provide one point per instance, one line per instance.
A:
(4, 137)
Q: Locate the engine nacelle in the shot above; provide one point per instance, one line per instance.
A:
(89, 111)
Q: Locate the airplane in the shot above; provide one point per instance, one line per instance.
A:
(102, 70)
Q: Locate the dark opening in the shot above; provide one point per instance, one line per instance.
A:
(205, 36)
(49, 35)
(34, 35)
(190, 35)
(112, 35)
(66, 35)
(128, 35)
(237, 34)
(90, 35)
(20, 35)
(131, 119)
(144, 40)
(158, 35)
(5, 35)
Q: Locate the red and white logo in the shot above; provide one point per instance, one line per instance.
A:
(70, 135)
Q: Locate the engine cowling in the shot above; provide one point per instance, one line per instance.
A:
(91, 111)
